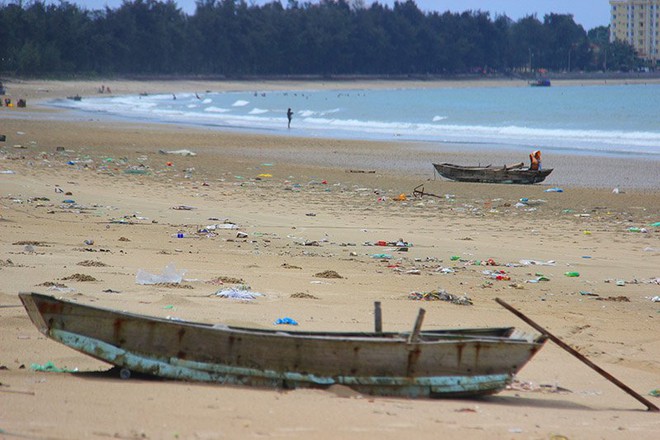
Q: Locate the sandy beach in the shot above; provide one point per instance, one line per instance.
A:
(309, 206)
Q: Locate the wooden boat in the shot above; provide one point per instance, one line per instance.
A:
(437, 363)
(516, 173)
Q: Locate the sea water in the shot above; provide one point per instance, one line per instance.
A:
(590, 119)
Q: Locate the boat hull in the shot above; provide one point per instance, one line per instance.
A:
(443, 363)
(491, 174)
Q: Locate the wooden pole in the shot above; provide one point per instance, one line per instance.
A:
(378, 317)
(414, 336)
(650, 406)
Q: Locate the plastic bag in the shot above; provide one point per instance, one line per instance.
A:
(238, 293)
(169, 275)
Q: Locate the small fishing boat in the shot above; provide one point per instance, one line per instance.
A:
(516, 173)
(435, 363)
(541, 82)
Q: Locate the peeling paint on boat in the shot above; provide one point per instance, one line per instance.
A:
(175, 368)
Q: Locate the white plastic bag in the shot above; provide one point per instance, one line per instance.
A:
(169, 275)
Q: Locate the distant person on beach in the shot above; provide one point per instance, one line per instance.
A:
(535, 160)
(289, 115)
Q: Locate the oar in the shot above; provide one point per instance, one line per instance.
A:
(574, 352)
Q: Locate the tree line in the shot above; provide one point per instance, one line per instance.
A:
(232, 38)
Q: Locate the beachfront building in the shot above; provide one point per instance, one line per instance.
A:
(638, 23)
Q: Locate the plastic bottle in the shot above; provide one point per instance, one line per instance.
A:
(572, 274)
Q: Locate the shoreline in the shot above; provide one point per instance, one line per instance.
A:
(411, 160)
(38, 89)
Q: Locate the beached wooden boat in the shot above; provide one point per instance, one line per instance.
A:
(436, 363)
(516, 173)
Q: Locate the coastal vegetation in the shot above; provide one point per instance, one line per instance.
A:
(234, 38)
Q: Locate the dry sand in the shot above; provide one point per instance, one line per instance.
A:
(312, 199)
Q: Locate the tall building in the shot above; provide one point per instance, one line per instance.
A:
(638, 23)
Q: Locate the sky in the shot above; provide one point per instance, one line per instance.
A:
(588, 13)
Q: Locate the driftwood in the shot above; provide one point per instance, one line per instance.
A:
(419, 192)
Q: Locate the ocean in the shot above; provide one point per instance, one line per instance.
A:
(590, 119)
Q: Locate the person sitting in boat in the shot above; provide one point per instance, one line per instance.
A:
(535, 160)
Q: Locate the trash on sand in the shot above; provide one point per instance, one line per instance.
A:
(572, 274)
(585, 293)
(240, 293)
(382, 256)
(655, 299)
(169, 275)
(557, 190)
(440, 295)
(220, 226)
(286, 321)
(178, 152)
(537, 262)
(530, 202)
(538, 279)
(445, 270)
(50, 367)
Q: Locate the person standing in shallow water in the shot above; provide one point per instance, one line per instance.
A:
(289, 116)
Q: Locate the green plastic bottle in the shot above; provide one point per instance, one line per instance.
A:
(572, 274)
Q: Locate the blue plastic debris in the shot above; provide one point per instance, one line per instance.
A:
(286, 321)
(555, 190)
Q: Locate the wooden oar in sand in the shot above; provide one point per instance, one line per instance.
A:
(650, 406)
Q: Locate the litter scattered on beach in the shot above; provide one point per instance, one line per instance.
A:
(440, 295)
(178, 152)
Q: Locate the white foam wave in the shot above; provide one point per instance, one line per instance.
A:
(374, 123)
(308, 113)
(213, 109)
